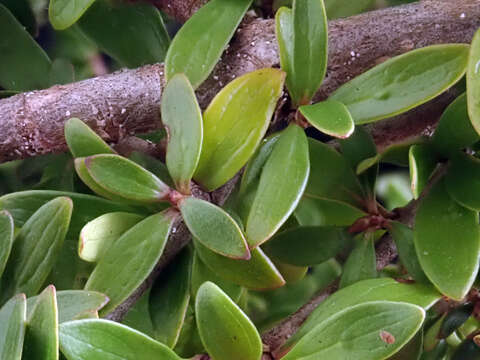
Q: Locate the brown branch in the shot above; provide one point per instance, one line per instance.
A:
(127, 102)
(180, 10)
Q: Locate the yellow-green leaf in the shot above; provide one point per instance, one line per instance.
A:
(64, 13)
(12, 327)
(6, 238)
(473, 82)
(330, 117)
(83, 141)
(422, 162)
(463, 180)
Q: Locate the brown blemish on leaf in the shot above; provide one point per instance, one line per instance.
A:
(387, 337)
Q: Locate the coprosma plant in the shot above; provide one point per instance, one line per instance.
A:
(300, 204)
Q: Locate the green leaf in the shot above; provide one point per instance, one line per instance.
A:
(83, 141)
(369, 331)
(323, 212)
(36, 248)
(403, 237)
(23, 63)
(450, 261)
(330, 117)
(6, 238)
(189, 343)
(462, 180)
(146, 44)
(422, 162)
(62, 72)
(285, 172)
(284, 31)
(394, 189)
(214, 228)
(100, 234)
(258, 273)
(12, 327)
(359, 146)
(235, 123)
(199, 43)
(138, 316)
(412, 350)
(361, 263)
(73, 303)
(473, 82)
(182, 117)
(41, 336)
(345, 8)
(454, 130)
(23, 11)
(96, 339)
(331, 176)
(307, 62)
(307, 245)
(226, 332)
(467, 350)
(403, 82)
(133, 256)
(364, 291)
(125, 179)
(64, 13)
(169, 299)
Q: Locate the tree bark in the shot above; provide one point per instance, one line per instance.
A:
(127, 102)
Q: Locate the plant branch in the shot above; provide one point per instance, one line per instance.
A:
(180, 10)
(127, 102)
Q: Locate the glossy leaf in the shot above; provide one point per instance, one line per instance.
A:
(36, 248)
(361, 263)
(358, 147)
(182, 117)
(134, 255)
(394, 190)
(83, 141)
(98, 339)
(6, 238)
(124, 178)
(331, 176)
(258, 273)
(403, 237)
(149, 42)
(323, 212)
(330, 117)
(462, 180)
(100, 234)
(12, 328)
(169, 299)
(284, 31)
(454, 130)
(308, 245)
(214, 228)
(403, 82)
(64, 13)
(438, 222)
(23, 63)
(225, 330)
(235, 123)
(369, 331)
(422, 163)
(473, 82)
(41, 336)
(454, 319)
(364, 291)
(199, 43)
(285, 172)
(73, 303)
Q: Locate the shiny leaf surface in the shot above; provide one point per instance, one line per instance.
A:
(462, 180)
(83, 141)
(330, 117)
(64, 13)
(473, 82)
(422, 162)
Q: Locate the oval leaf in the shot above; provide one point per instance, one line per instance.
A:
(83, 141)
(330, 117)
(12, 327)
(235, 123)
(124, 178)
(308, 245)
(226, 334)
(285, 172)
(36, 248)
(369, 331)
(199, 43)
(134, 255)
(182, 118)
(214, 228)
(98, 235)
(6, 238)
(285, 37)
(403, 82)
(41, 337)
(64, 13)
(258, 273)
(449, 261)
(169, 299)
(462, 180)
(422, 162)
(473, 82)
(96, 339)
